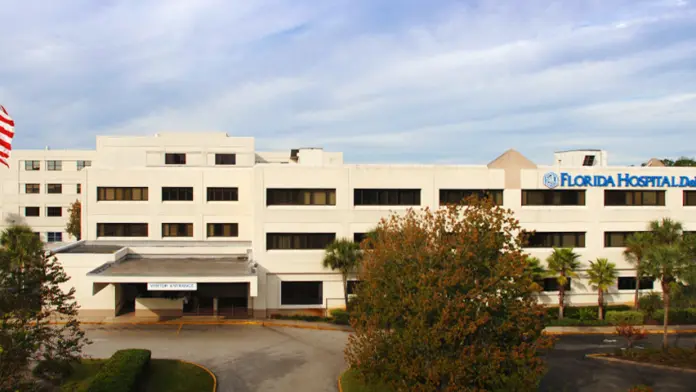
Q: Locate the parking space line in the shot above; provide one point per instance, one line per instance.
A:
(179, 330)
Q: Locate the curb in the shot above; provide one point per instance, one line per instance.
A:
(612, 332)
(206, 369)
(340, 387)
(606, 358)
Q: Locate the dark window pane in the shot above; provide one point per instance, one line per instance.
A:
(298, 240)
(690, 198)
(223, 194)
(177, 193)
(177, 229)
(122, 193)
(301, 293)
(32, 165)
(455, 196)
(83, 164)
(283, 196)
(54, 236)
(32, 188)
(175, 159)
(352, 286)
(629, 283)
(225, 159)
(31, 211)
(54, 188)
(551, 284)
(553, 197)
(634, 198)
(122, 230)
(54, 211)
(223, 230)
(387, 197)
(54, 165)
(558, 240)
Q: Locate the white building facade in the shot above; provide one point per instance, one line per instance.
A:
(204, 224)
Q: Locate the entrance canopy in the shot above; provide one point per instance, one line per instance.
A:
(178, 270)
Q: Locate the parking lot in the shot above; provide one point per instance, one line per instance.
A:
(254, 358)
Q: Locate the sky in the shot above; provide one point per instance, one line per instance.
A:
(429, 81)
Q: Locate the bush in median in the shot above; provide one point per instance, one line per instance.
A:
(627, 317)
(121, 372)
(340, 317)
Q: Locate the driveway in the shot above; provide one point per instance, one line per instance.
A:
(244, 358)
(254, 358)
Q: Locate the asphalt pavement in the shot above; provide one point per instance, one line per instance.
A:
(248, 358)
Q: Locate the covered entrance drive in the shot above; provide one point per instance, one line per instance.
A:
(167, 287)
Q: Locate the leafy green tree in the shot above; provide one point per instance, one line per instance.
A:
(670, 258)
(563, 264)
(679, 162)
(343, 255)
(74, 225)
(637, 245)
(30, 295)
(536, 271)
(445, 304)
(602, 275)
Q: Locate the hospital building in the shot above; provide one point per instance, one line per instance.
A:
(204, 224)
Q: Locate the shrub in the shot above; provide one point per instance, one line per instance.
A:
(649, 303)
(627, 317)
(677, 316)
(587, 314)
(640, 388)
(53, 370)
(300, 317)
(340, 317)
(121, 372)
(631, 334)
(578, 312)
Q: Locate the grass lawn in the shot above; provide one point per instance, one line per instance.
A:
(676, 357)
(163, 375)
(350, 383)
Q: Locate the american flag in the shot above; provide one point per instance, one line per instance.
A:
(6, 135)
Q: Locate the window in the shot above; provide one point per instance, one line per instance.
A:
(223, 230)
(32, 165)
(78, 188)
(54, 236)
(690, 198)
(121, 229)
(54, 165)
(31, 211)
(455, 196)
(225, 159)
(177, 229)
(298, 240)
(54, 211)
(177, 193)
(589, 160)
(551, 284)
(358, 237)
(616, 239)
(352, 286)
(83, 164)
(122, 193)
(32, 188)
(557, 240)
(300, 197)
(223, 194)
(54, 188)
(174, 159)
(301, 293)
(634, 198)
(629, 283)
(553, 198)
(386, 197)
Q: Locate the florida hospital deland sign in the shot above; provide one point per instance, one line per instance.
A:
(621, 180)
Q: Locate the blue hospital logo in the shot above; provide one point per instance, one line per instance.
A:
(551, 180)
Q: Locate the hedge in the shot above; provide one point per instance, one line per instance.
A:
(630, 317)
(121, 372)
(574, 312)
(677, 316)
(300, 317)
(340, 317)
(568, 322)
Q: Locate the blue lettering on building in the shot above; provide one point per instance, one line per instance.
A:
(621, 180)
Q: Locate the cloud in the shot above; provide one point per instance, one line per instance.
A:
(382, 81)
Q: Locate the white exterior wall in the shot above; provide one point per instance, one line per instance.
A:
(139, 162)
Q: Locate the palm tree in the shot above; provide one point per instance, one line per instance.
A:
(563, 263)
(666, 231)
(637, 245)
(343, 255)
(602, 275)
(535, 270)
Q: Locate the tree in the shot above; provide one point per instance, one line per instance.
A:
(670, 258)
(74, 226)
(563, 264)
(679, 162)
(30, 295)
(343, 255)
(602, 275)
(445, 304)
(637, 245)
(536, 271)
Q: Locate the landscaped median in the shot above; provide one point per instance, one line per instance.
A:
(133, 370)
(348, 381)
(678, 359)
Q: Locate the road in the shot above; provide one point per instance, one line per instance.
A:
(255, 358)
